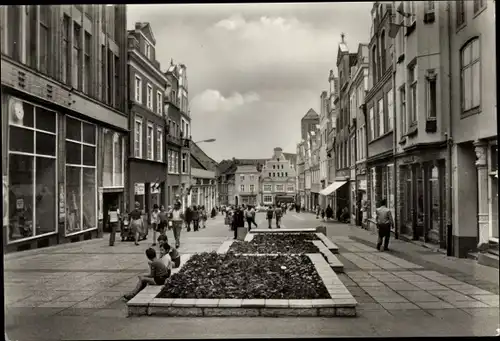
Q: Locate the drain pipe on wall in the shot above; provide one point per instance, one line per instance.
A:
(449, 141)
(394, 130)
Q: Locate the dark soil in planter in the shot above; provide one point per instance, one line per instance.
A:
(210, 275)
(296, 243)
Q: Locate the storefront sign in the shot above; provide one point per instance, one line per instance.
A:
(154, 188)
(99, 193)
(62, 203)
(5, 200)
(139, 189)
(362, 185)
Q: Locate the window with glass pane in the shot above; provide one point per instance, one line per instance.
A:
(372, 192)
(149, 137)
(76, 61)
(138, 89)
(471, 78)
(460, 12)
(20, 196)
(372, 124)
(80, 176)
(87, 72)
(381, 123)
(107, 167)
(45, 195)
(478, 5)
(138, 138)
(159, 144)
(149, 97)
(45, 13)
(390, 113)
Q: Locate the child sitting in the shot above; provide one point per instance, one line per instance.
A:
(162, 239)
(173, 253)
(158, 275)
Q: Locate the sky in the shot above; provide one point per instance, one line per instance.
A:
(254, 70)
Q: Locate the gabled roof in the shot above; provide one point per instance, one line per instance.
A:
(310, 114)
(145, 28)
(203, 159)
(291, 157)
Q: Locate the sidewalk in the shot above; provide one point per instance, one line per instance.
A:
(88, 278)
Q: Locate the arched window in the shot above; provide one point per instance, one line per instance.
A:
(470, 72)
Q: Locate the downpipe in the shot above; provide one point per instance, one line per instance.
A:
(449, 142)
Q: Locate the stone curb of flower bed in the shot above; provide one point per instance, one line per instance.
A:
(334, 262)
(328, 243)
(342, 302)
(249, 237)
(224, 248)
(282, 230)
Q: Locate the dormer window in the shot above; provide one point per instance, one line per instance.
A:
(148, 50)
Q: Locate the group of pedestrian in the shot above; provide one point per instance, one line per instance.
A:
(276, 212)
(133, 224)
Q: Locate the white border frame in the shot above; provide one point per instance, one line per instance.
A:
(81, 177)
(34, 155)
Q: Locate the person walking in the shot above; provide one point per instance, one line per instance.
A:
(136, 222)
(204, 217)
(323, 214)
(155, 221)
(278, 213)
(188, 214)
(113, 218)
(269, 216)
(213, 214)
(384, 222)
(329, 212)
(254, 213)
(162, 226)
(176, 217)
(238, 220)
(248, 216)
(196, 218)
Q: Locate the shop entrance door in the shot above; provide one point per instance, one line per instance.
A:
(109, 199)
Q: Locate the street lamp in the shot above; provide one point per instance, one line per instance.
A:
(207, 141)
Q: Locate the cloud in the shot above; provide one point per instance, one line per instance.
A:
(213, 101)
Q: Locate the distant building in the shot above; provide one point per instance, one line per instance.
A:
(309, 123)
(246, 183)
(278, 177)
(203, 179)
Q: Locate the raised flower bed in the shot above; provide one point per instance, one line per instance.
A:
(209, 275)
(274, 243)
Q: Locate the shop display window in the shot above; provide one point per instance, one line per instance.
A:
(81, 180)
(113, 165)
(31, 191)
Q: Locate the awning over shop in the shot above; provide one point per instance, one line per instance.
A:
(332, 188)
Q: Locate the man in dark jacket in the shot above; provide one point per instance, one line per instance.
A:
(238, 220)
(189, 218)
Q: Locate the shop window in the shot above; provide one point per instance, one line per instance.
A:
(408, 195)
(435, 193)
(373, 204)
(494, 192)
(113, 159)
(31, 193)
(81, 177)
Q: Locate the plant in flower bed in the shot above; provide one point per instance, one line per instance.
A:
(211, 275)
(271, 243)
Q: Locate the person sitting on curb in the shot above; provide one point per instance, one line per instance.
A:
(174, 255)
(158, 275)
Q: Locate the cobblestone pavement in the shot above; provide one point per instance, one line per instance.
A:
(73, 291)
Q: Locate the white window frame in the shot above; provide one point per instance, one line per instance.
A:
(267, 188)
(159, 144)
(380, 117)
(473, 62)
(149, 96)
(431, 108)
(252, 177)
(176, 162)
(269, 199)
(280, 188)
(35, 155)
(147, 50)
(170, 162)
(252, 188)
(81, 179)
(372, 123)
(390, 110)
(138, 89)
(150, 141)
(290, 188)
(402, 109)
(413, 79)
(242, 177)
(242, 188)
(184, 162)
(159, 102)
(138, 122)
